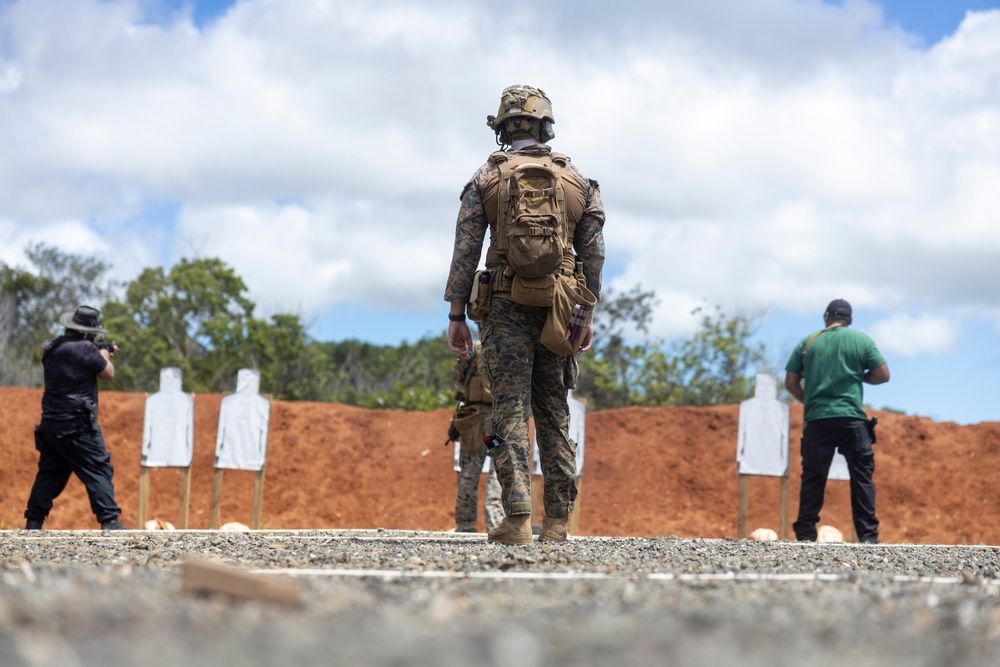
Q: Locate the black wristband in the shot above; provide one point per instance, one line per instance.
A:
(457, 318)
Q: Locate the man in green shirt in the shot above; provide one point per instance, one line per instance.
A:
(825, 372)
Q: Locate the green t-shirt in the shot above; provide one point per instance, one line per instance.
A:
(835, 363)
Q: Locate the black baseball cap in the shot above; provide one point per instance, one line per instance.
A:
(839, 308)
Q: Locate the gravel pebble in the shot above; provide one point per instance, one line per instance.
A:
(85, 598)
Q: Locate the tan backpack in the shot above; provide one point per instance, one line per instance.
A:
(532, 230)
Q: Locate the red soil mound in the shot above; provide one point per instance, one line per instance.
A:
(649, 471)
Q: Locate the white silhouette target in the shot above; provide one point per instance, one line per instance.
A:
(577, 430)
(243, 424)
(168, 425)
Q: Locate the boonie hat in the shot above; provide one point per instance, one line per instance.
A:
(839, 308)
(85, 320)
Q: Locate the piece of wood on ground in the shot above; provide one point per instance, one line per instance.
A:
(212, 577)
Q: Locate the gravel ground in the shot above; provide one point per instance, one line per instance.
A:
(388, 598)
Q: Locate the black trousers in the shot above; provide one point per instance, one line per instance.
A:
(820, 439)
(72, 447)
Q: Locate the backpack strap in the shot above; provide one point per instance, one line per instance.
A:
(53, 346)
(810, 342)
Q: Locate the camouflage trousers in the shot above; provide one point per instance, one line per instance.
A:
(471, 468)
(527, 379)
(468, 495)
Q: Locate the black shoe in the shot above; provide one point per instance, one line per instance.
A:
(870, 540)
(34, 524)
(113, 524)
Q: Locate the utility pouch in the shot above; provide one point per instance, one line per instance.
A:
(480, 298)
(38, 437)
(468, 421)
(570, 315)
(493, 443)
(870, 427)
(534, 291)
(477, 390)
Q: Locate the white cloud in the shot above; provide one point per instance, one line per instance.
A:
(775, 153)
(908, 336)
(307, 256)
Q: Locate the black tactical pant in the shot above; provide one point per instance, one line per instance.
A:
(65, 448)
(820, 439)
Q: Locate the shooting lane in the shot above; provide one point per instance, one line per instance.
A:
(167, 440)
(763, 449)
(244, 419)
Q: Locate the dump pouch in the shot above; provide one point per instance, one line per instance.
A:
(534, 291)
(480, 298)
(469, 422)
(567, 325)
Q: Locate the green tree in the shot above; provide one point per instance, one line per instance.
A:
(609, 373)
(714, 366)
(31, 301)
(414, 376)
(290, 363)
(195, 317)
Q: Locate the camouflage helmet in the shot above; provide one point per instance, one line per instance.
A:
(528, 102)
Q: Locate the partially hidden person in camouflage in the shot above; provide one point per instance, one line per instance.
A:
(474, 392)
(526, 378)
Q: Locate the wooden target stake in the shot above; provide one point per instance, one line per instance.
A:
(255, 508)
(184, 502)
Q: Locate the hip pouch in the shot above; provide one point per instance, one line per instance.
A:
(479, 300)
(570, 315)
(468, 421)
(538, 292)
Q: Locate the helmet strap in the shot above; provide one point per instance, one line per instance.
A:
(521, 125)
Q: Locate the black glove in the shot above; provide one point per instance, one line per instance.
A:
(453, 435)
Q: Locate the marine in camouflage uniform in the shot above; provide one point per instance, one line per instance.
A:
(525, 377)
(472, 456)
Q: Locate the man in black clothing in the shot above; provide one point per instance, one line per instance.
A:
(69, 439)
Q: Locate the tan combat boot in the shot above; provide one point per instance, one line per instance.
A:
(514, 530)
(553, 530)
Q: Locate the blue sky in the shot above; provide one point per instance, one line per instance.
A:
(767, 157)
